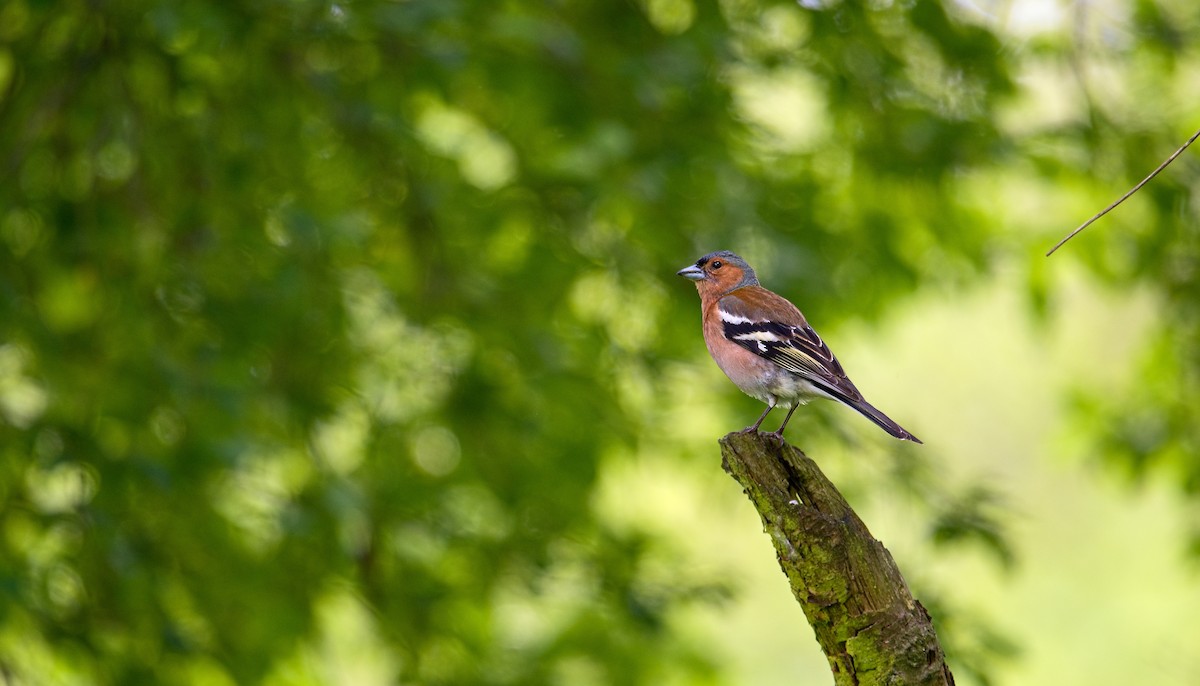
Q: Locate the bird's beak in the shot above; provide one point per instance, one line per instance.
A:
(692, 272)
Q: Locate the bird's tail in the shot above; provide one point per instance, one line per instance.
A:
(885, 422)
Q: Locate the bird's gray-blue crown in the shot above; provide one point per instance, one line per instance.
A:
(749, 278)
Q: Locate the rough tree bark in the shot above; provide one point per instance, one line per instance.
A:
(864, 616)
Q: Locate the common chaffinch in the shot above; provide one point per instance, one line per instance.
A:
(765, 346)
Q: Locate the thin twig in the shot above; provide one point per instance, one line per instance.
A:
(1120, 200)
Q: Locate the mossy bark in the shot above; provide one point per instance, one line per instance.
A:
(871, 628)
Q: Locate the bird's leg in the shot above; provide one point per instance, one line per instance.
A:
(785, 420)
(752, 429)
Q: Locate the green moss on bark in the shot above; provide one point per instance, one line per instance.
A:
(868, 624)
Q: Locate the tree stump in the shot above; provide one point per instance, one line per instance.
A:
(866, 620)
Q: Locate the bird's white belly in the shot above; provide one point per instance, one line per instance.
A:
(770, 383)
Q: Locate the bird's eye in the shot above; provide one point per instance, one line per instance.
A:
(716, 264)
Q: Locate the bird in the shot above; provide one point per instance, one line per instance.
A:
(766, 347)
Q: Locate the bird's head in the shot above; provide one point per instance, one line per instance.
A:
(718, 273)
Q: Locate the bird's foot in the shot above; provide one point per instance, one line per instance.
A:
(755, 430)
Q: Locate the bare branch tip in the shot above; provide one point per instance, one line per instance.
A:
(1130, 192)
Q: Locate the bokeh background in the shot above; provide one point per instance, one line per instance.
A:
(340, 342)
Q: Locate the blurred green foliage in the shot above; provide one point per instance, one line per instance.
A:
(317, 319)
